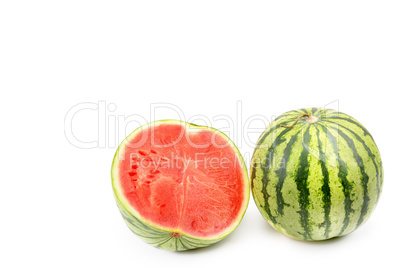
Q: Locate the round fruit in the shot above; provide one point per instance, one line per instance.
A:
(316, 174)
(180, 186)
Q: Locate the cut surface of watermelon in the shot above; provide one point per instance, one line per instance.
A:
(181, 178)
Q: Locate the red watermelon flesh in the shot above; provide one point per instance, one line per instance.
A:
(184, 179)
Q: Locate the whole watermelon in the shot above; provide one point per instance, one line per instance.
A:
(316, 174)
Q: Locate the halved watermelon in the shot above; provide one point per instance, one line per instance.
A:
(180, 186)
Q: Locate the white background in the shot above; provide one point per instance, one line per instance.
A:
(241, 59)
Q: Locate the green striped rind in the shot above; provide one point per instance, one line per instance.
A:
(316, 181)
(159, 236)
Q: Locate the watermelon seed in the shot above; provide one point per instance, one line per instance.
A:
(132, 173)
(134, 166)
(142, 153)
(153, 151)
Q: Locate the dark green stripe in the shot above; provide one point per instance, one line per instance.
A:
(129, 221)
(261, 140)
(131, 218)
(365, 177)
(287, 114)
(325, 187)
(301, 183)
(145, 236)
(281, 172)
(265, 169)
(182, 244)
(164, 242)
(304, 110)
(323, 113)
(263, 136)
(192, 243)
(352, 121)
(137, 222)
(371, 155)
(342, 175)
(313, 110)
(291, 119)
